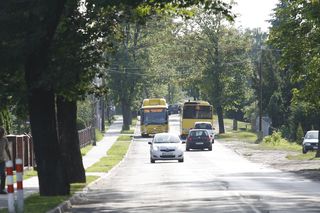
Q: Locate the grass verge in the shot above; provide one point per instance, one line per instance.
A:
(132, 127)
(85, 150)
(308, 156)
(240, 135)
(114, 155)
(124, 138)
(286, 146)
(99, 135)
(40, 204)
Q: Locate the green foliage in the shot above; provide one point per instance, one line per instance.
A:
(84, 111)
(276, 141)
(80, 124)
(296, 27)
(305, 114)
(5, 120)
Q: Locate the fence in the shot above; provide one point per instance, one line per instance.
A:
(21, 146)
(86, 136)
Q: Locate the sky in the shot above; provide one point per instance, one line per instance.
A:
(254, 13)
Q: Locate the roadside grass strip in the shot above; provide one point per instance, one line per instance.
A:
(41, 204)
(99, 135)
(114, 155)
(287, 146)
(309, 156)
(132, 128)
(85, 150)
(124, 138)
(240, 135)
(277, 142)
(130, 131)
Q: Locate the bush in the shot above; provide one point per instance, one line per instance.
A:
(274, 139)
(80, 124)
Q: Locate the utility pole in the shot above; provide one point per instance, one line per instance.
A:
(260, 92)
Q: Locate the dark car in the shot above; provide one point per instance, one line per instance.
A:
(207, 126)
(174, 109)
(198, 139)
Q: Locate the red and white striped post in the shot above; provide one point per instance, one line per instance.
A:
(9, 168)
(19, 175)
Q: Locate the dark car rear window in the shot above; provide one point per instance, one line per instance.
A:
(203, 126)
(198, 133)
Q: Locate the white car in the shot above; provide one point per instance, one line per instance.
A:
(310, 141)
(166, 146)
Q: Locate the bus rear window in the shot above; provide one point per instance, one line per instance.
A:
(197, 112)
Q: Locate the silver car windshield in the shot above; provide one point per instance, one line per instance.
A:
(312, 135)
(166, 139)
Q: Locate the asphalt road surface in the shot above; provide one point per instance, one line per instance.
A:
(208, 181)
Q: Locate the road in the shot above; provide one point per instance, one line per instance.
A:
(208, 181)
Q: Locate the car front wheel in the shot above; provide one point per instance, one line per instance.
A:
(304, 151)
(180, 160)
(152, 160)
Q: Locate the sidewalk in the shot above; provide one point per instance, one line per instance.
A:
(31, 185)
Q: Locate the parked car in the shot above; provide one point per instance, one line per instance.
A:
(174, 109)
(198, 139)
(166, 146)
(207, 126)
(310, 141)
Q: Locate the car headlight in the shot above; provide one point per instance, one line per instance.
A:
(307, 144)
(155, 148)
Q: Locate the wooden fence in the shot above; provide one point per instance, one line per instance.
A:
(21, 146)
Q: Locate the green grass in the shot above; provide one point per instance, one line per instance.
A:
(124, 138)
(240, 135)
(85, 150)
(40, 204)
(99, 135)
(130, 131)
(29, 174)
(308, 156)
(287, 146)
(228, 123)
(132, 127)
(114, 155)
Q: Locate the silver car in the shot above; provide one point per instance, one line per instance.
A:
(166, 146)
(310, 141)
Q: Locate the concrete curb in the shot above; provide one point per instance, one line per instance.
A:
(68, 203)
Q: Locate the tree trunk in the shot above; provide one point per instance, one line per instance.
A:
(234, 124)
(50, 166)
(102, 104)
(41, 103)
(126, 115)
(318, 151)
(69, 140)
(220, 119)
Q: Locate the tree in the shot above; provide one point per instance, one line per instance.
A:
(31, 28)
(295, 31)
(221, 56)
